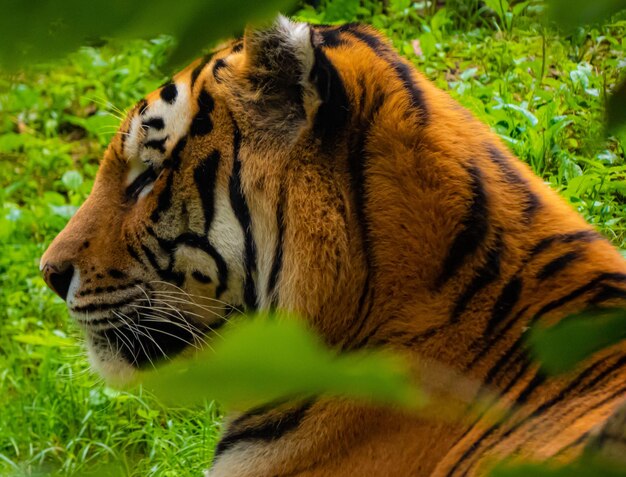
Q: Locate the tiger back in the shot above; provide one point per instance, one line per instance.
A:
(311, 169)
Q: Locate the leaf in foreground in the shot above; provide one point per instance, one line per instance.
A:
(573, 13)
(616, 109)
(266, 359)
(560, 347)
(585, 468)
(41, 30)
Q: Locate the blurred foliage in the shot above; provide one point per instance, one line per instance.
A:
(586, 467)
(41, 29)
(561, 347)
(273, 356)
(543, 91)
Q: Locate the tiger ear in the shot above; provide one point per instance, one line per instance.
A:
(277, 71)
(281, 55)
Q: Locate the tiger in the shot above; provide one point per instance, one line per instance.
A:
(311, 169)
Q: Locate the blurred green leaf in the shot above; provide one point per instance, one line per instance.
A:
(616, 109)
(41, 30)
(573, 13)
(560, 347)
(72, 180)
(270, 358)
(585, 468)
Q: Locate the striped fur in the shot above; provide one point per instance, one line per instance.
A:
(312, 169)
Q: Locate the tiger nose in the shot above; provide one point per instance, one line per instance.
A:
(58, 277)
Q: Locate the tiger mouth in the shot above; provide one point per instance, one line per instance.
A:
(143, 341)
(146, 339)
(140, 329)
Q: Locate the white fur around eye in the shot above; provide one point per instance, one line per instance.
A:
(176, 116)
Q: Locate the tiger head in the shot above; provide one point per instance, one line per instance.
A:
(229, 188)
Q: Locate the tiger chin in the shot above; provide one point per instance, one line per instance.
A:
(312, 169)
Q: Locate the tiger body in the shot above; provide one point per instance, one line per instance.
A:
(311, 169)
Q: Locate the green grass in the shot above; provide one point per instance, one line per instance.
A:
(544, 94)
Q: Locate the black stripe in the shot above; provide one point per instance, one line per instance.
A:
(141, 107)
(470, 450)
(563, 394)
(578, 292)
(357, 163)
(555, 266)
(237, 47)
(617, 366)
(240, 207)
(366, 301)
(202, 243)
(204, 176)
(151, 256)
(474, 228)
(201, 277)
(608, 292)
(487, 274)
(115, 273)
(491, 338)
(106, 306)
(202, 124)
(134, 254)
(142, 180)
(537, 380)
(169, 92)
(154, 123)
(164, 201)
(333, 114)
(504, 304)
(584, 236)
(403, 71)
(158, 144)
(516, 349)
(198, 69)
(219, 64)
(331, 37)
(166, 273)
(109, 289)
(174, 161)
(531, 202)
(269, 431)
(278, 253)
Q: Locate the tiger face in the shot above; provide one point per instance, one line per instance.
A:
(186, 221)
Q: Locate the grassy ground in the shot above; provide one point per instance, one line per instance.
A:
(542, 93)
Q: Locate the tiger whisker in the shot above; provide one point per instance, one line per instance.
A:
(180, 290)
(156, 330)
(187, 325)
(196, 333)
(133, 328)
(187, 302)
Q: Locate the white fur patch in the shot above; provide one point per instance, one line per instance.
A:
(176, 117)
(298, 37)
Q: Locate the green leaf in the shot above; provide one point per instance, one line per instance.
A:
(616, 109)
(47, 340)
(585, 468)
(573, 13)
(560, 347)
(72, 180)
(54, 28)
(270, 358)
